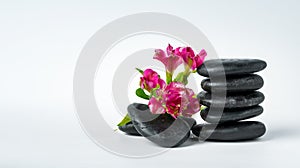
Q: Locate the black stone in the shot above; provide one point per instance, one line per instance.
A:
(230, 115)
(231, 67)
(246, 99)
(129, 129)
(161, 129)
(234, 84)
(236, 131)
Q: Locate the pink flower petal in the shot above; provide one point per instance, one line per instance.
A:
(171, 61)
(169, 49)
(155, 106)
(161, 83)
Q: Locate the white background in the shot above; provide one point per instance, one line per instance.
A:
(40, 43)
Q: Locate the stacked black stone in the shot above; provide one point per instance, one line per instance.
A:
(241, 102)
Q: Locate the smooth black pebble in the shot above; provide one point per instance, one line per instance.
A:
(129, 129)
(246, 99)
(244, 83)
(217, 67)
(237, 131)
(161, 129)
(230, 115)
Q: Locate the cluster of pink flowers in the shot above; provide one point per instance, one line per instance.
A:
(172, 96)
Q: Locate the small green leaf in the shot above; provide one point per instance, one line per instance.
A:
(140, 93)
(140, 71)
(125, 120)
(181, 77)
(202, 108)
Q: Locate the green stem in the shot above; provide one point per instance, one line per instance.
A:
(168, 77)
(187, 72)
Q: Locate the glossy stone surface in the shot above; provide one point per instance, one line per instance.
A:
(236, 131)
(129, 129)
(162, 129)
(234, 84)
(232, 100)
(231, 67)
(230, 115)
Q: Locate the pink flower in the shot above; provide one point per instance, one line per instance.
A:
(171, 60)
(180, 100)
(155, 106)
(173, 97)
(151, 80)
(175, 100)
(193, 105)
(192, 60)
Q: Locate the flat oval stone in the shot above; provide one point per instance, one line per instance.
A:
(161, 129)
(244, 83)
(230, 115)
(236, 131)
(129, 129)
(231, 67)
(246, 99)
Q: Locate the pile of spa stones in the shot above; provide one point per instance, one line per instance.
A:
(230, 95)
(232, 84)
